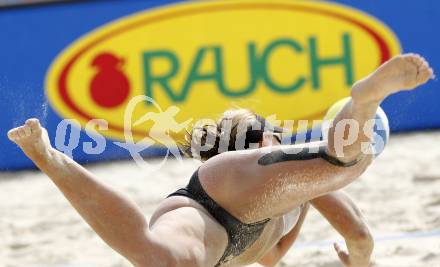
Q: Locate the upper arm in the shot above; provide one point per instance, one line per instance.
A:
(342, 214)
(273, 256)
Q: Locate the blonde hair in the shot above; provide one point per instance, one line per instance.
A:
(208, 134)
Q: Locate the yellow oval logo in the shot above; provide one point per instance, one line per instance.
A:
(292, 59)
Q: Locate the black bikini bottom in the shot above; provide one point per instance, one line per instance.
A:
(240, 235)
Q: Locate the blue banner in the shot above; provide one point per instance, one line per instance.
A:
(34, 36)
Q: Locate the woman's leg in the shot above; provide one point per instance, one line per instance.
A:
(183, 237)
(403, 72)
(260, 184)
(117, 220)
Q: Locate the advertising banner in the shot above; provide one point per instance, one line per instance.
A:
(113, 66)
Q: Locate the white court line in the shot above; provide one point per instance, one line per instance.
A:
(393, 237)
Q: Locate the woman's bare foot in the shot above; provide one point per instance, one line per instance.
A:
(404, 72)
(32, 139)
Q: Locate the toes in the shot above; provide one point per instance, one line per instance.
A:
(424, 75)
(416, 59)
(423, 67)
(33, 124)
(17, 133)
(21, 132)
(425, 63)
(421, 61)
(27, 130)
(12, 134)
(424, 71)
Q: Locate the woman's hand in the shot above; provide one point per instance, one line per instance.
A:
(347, 219)
(352, 261)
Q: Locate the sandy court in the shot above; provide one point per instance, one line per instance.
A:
(399, 195)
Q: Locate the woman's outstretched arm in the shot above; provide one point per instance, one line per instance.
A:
(346, 218)
(116, 219)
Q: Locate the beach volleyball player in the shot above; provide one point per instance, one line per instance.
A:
(239, 208)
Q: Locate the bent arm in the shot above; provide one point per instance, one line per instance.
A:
(347, 219)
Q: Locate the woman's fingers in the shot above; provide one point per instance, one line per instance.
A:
(343, 256)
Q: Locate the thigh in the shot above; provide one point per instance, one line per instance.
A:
(252, 191)
(188, 233)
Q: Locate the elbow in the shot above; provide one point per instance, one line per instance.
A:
(363, 239)
(364, 235)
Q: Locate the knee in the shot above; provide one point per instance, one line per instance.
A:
(366, 162)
